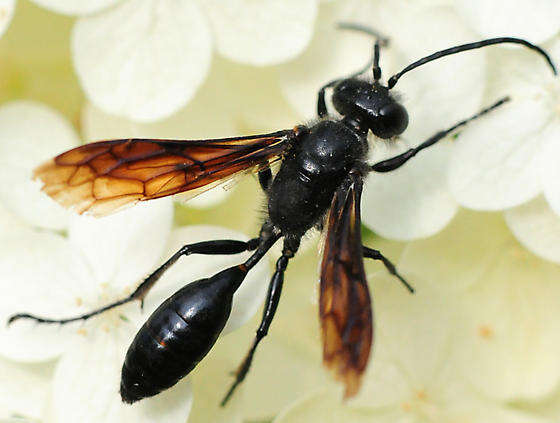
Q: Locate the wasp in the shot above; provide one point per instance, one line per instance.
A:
(318, 185)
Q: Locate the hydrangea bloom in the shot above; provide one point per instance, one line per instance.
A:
(97, 262)
(145, 59)
(480, 333)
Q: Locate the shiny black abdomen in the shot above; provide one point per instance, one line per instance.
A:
(178, 335)
(304, 187)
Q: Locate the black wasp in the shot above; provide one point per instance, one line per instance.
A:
(318, 184)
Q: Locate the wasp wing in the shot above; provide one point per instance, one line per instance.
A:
(344, 303)
(102, 177)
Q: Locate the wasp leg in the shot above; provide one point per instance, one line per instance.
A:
(206, 247)
(376, 255)
(271, 304)
(397, 161)
(265, 178)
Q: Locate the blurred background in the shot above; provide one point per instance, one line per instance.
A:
(473, 224)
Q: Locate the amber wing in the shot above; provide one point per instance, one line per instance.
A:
(344, 303)
(102, 177)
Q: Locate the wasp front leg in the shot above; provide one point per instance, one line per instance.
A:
(397, 161)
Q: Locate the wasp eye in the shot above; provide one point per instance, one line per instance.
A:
(393, 120)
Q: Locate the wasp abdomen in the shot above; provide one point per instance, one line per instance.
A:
(178, 335)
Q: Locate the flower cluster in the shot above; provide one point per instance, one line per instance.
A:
(478, 342)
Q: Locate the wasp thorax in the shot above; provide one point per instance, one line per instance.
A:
(372, 104)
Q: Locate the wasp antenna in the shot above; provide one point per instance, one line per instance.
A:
(472, 46)
(380, 41)
(352, 26)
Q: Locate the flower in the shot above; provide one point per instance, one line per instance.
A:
(23, 389)
(145, 59)
(505, 341)
(477, 339)
(6, 12)
(92, 263)
(515, 150)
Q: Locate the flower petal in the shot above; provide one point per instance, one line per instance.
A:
(261, 33)
(331, 54)
(413, 201)
(72, 7)
(6, 13)
(495, 163)
(86, 386)
(536, 20)
(451, 88)
(43, 275)
(550, 171)
(444, 92)
(124, 247)
(509, 340)
(248, 297)
(31, 133)
(461, 241)
(537, 227)
(144, 59)
(506, 335)
(325, 407)
(23, 389)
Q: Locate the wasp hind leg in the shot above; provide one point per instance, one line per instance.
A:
(217, 247)
(376, 255)
(271, 304)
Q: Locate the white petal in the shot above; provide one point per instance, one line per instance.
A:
(508, 340)
(448, 90)
(31, 133)
(455, 256)
(144, 59)
(23, 389)
(42, 275)
(9, 222)
(549, 169)
(248, 297)
(73, 7)
(6, 12)
(442, 93)
(413, 201)
(324, 407)
(86, 386)
(124, 247)
(495, 163)
(407, 357)
(261, 33)
(331, 54)
(537, 227)
(536, 20)
(210, 198)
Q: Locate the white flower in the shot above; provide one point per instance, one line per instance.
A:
(23, 389)
(506, 337)
(31, 133)
(99, 261)
(536, 20)
(508, 158)
(102, 261)
(6, 12)
(145, 59)
(411, 377)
